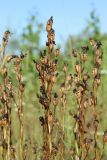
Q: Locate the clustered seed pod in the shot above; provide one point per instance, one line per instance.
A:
(51, 35)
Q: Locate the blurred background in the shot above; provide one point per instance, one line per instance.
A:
(75, 21)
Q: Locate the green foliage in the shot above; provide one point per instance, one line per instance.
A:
(31, 36)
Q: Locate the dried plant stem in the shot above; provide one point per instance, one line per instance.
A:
(20, 112)
(95, 121)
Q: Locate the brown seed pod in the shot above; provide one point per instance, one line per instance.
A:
(53, 78)
(3, 123)
(99, 61)
(65, 67)
(62, 88)
(92, 42)
(51, 36)
(76, 78)
(97, 52)
(84, 57)
(22, 87)
(57, 52)
(4, 71)
(50, 117)
(86, 77)
(74, 53)
(105, 137)
(55, 100)
(78, 94)
(50, 46)
(78, 68)
(49, 24)
(97, 80)
(95, 71)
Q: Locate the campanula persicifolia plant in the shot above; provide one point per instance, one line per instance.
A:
(47, 70)
(62, 90)
(86, 88)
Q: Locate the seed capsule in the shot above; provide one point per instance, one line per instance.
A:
(57, 52)
(78, 67)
